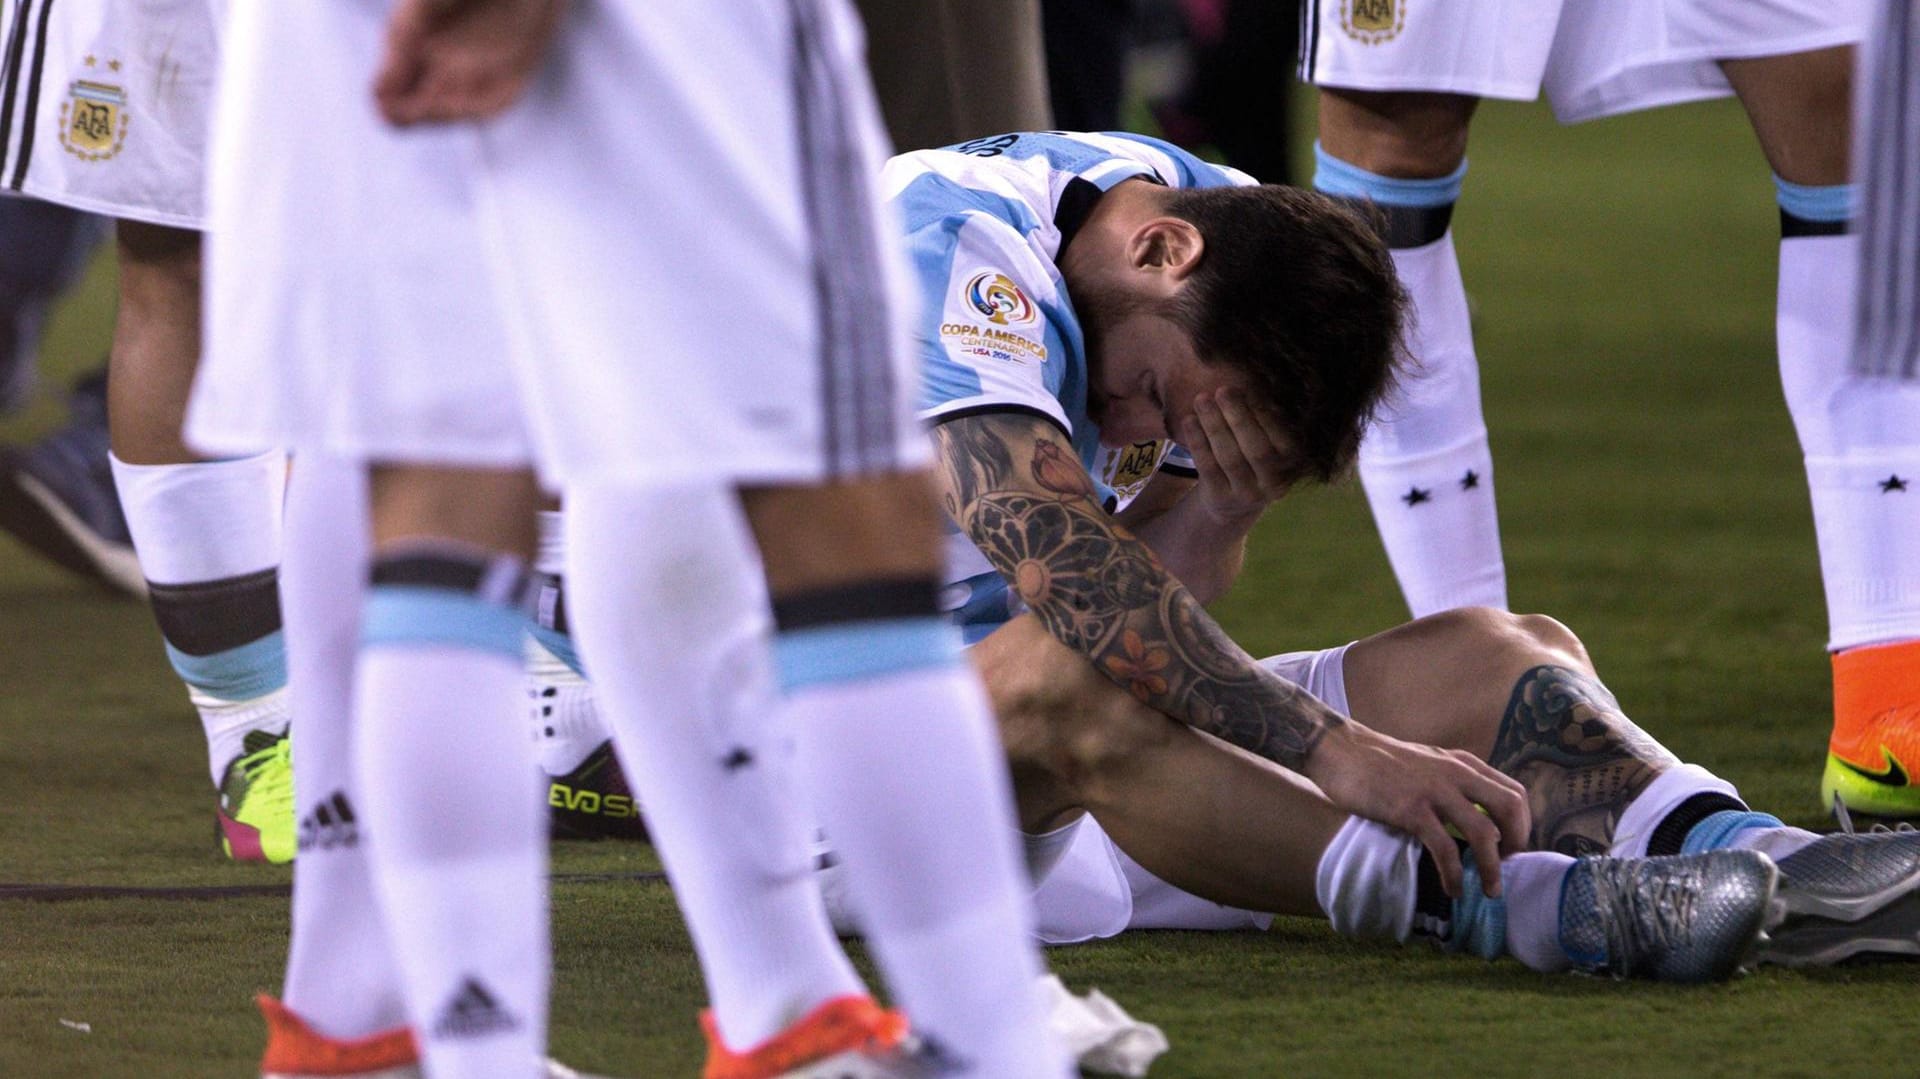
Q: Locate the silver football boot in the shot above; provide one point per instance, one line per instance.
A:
(1688, 918)
(1844, 895)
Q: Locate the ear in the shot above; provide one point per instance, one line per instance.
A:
(1167, 245)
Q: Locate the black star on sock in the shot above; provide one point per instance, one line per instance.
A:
(1416, 495)
(736, 760)
(1891, 484)
(1469, 481)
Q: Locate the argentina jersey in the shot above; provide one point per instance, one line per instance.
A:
(996, 331)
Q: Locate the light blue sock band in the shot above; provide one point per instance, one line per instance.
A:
(560, 644)
(1718, 829)
(1479, 923)
(1828, 202)
(403, 615)
(853, 651)
(252, 670)
(1333, 176)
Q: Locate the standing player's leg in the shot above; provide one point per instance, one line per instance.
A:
(208, 537)
(440, 750)
(1425, 463)
(689, 692)
(1860, 433)
(779, 365)
(341, 983)
(336, 341)
(587, 792)
(899, 758)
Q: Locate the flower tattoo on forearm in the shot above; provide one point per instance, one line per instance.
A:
(1022, 496)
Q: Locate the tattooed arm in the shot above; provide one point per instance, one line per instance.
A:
(1011, 482)
(1014, 486)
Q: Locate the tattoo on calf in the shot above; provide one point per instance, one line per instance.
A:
(1098, 588)
(1580, 758)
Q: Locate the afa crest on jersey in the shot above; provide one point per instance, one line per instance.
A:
(93, 118)
(994, 295)
(1373, 22)
(1127, 469)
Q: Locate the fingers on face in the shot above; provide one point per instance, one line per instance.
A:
(1229, 455)
(1257, 438)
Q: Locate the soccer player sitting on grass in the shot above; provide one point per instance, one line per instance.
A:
(1089, 298)
(1086, 300)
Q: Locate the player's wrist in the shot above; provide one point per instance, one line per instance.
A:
(1343, 752)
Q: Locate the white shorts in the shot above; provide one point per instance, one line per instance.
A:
(105, 105)
(687, 219)
(1091, 889)
(1593, 58)
(349, 303)
(677, 230)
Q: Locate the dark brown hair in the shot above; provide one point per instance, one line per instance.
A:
(1297, 290)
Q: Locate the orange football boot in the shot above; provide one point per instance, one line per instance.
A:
(295, 1051)
(1876, 731)
(847, 1036)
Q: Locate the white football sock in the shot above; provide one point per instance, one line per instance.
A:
(1368, 883)
(1650, 808)
(206, 520)
(1425, 462)
(208, 538)
(340, 974)
(551, 554)
(1368, 880)
(911, 785)
(1775, 843)
(1530, 884)
(565, 714)
(1861, 438)
(452, 795)
(567, 726)
(706, 745)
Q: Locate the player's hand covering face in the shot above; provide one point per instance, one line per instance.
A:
(1245, 462)
(454, 60)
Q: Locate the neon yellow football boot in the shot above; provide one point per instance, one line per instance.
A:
(255, 816)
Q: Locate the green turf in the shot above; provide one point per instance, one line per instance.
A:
(1652, 498)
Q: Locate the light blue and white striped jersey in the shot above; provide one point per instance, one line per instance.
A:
(996, 331)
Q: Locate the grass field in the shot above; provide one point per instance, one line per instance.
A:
(1651, 497)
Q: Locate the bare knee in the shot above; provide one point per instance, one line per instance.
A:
(1397, 134)
(1543, 633)
(1493, 635)
(1448, 679)
(1094, 751)
(1070, 743)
